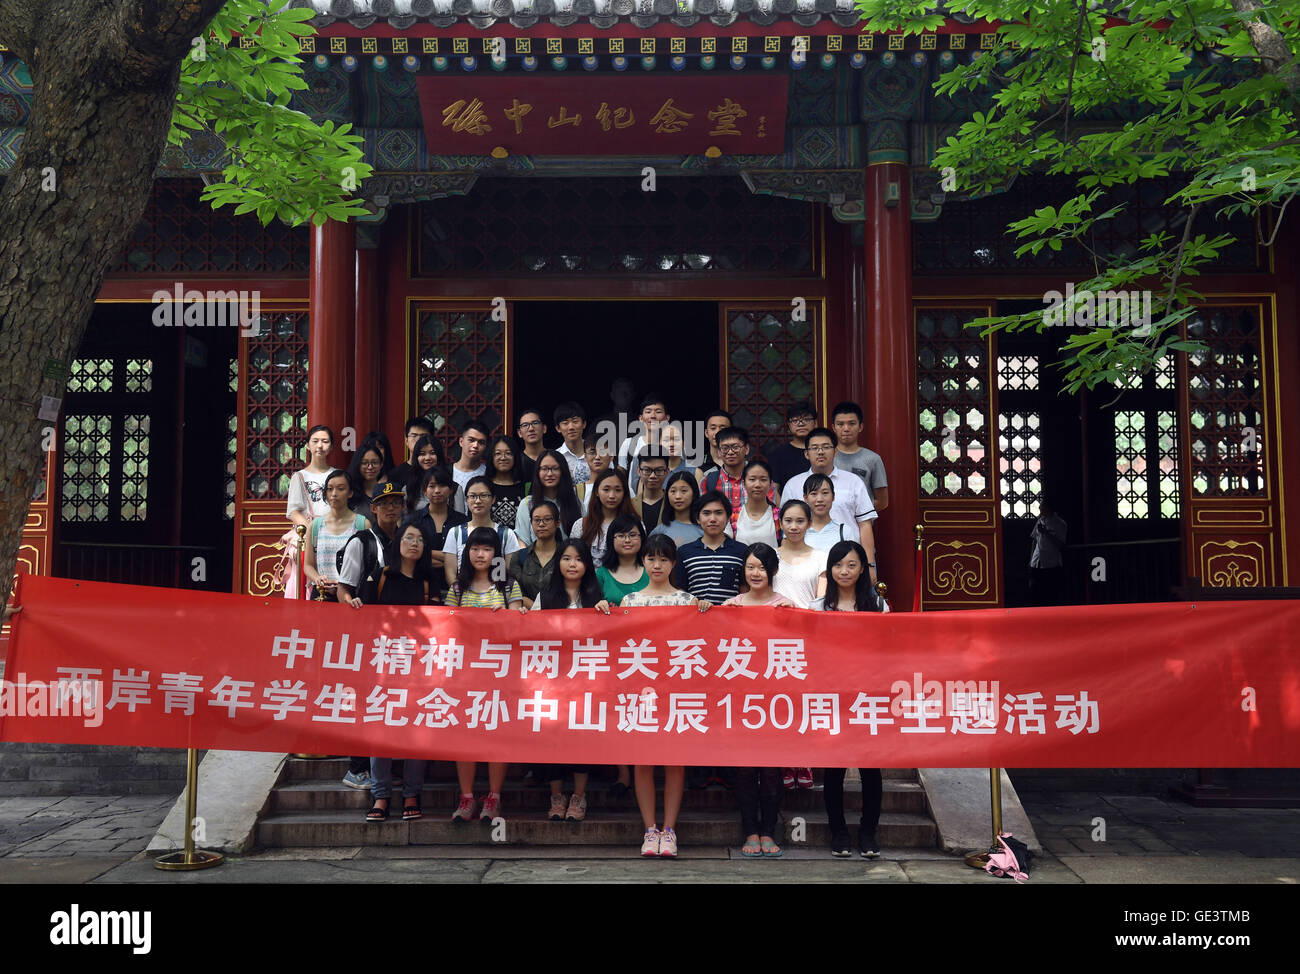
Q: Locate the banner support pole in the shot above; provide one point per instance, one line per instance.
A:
(191, 858)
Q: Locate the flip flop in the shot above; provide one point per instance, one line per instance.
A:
(770, 849)
(751, 850)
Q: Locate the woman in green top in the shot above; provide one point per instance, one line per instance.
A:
(622, 572)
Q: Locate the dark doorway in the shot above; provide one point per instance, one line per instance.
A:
(145, 453)
(575, 350)
(1108, 458)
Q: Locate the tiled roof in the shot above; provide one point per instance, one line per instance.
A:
(406, 14)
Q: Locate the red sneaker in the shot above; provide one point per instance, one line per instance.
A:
(803, 777)
(787, 778)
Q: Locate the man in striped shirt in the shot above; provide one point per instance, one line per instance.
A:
(712, 568)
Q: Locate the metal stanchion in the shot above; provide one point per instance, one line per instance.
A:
(977, 859)
(191, 858)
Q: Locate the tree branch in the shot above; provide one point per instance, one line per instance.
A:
(18, 27)
(1271, 45)
(145, 39)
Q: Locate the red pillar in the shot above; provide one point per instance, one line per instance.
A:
(365, 374)
(889, 396)
(331, 283)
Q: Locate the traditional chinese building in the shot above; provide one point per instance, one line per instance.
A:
(729, 202)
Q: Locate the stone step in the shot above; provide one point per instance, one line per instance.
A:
(898, 796)
(298, 769)
(47, 770)
(317, 829)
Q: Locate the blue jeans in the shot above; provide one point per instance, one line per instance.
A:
(381, 769)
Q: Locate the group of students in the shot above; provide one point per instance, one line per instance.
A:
(586, 527)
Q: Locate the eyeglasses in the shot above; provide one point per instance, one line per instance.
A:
(804, 419)
(532, 424)
(820, 449)
(628, 536)
(548, 469)
(478, 497)
(731, 448)
(653, 471)
(539, 521)
(372, 463)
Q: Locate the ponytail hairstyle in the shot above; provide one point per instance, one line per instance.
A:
(554, 595)
(864, 598)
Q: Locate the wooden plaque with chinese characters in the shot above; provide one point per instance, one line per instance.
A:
(605, 115)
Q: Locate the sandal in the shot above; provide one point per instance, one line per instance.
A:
(411, 810)
(378, 813)
(770, 849)
(751, 849)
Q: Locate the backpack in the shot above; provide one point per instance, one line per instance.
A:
(464, 536)
(368, 588)
(1012, 859)
(711, 480)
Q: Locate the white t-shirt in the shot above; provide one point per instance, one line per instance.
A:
(307, 493)
(798, 582)
(579, 472)
(852, 501)
(350, 573)
(463, 477)
(749, 531)
(457, 536)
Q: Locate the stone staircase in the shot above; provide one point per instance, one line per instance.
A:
(310, 807)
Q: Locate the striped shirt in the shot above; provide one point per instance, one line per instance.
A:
(711, 576)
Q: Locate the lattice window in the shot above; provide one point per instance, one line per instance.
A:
(1164, 376)
(1130, 464)
(771, 363)
(1017, 372)
(180, 233)
(232, 443)
(91, 375)
(277, 405)
(1020, 462)
(1167, 452)
(953, 403)
(1142, 463)
(232, 464)
(462, 358)
(608, 226)
(135, 467)
(87, 462)
(972, 235)
(1225, 390)
(139, 375)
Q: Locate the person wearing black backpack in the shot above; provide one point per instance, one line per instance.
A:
(361, 565)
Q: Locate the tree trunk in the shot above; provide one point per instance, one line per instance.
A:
(105, 74)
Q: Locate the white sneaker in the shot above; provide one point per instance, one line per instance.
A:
(667, 844)
(650, 843)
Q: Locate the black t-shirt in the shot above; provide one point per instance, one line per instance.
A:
(786, 461)
(400, 590)
(506, 503)
(650, 513)
(434, 540)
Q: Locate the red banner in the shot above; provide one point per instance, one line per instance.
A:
(618, 115)
(1178, 685)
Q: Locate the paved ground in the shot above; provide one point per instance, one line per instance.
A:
(1147, 840)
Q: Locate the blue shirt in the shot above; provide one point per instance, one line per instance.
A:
(711, 576)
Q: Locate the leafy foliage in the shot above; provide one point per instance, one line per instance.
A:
(1209, 95)
(283, 164)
